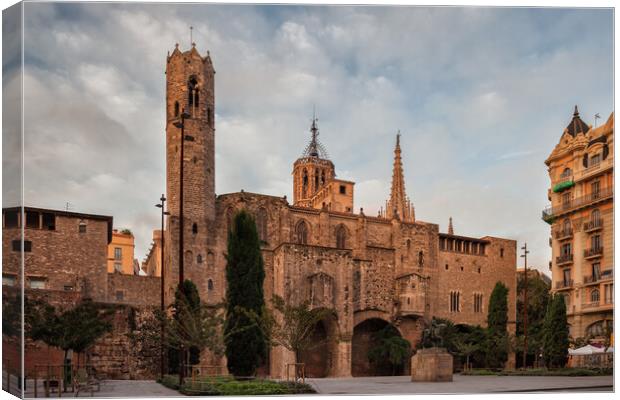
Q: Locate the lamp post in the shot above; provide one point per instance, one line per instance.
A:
(524, 255)
(163, 275)
(181, 124)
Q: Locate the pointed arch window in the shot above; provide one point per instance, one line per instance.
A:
(304, 185)
(192, 91)
(301, 232)
(341, 237)
(261, 224)
(176, 108)
(194, 228)
(210, 285)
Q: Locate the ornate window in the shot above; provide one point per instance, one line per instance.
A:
(341, 237)
(566, 225)
(595, 217)
(595, 295)
(261, 224)
(301, 232)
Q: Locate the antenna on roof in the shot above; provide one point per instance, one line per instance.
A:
(597, 116)
(68, 206)
(191, 37)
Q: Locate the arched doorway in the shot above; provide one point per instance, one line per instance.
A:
(317, 358)
(366, 336)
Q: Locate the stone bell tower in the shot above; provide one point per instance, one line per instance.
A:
(190, 105)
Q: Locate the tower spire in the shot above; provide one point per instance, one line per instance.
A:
(398, 205)
(450, 227)
(315, 148)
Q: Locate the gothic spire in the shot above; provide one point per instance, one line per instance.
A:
(315, 148)
(450, 227)
(399, 206)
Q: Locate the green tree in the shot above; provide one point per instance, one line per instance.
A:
(555, 336)
(389, 350)
(246, 349)
(75, 329)
(538, 299)
(497, 340)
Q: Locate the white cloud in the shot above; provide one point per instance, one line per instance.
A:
(480, 95)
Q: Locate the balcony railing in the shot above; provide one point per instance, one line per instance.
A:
(593, 169)
(592, 225)
(564, 284)
(564, 233)
(564, 259)
(592, 304)
(550, 213)
(595, 252)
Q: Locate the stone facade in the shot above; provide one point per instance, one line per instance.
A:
(65, 261)
(373, 271)
(581, 216)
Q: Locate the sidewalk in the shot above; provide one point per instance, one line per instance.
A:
(461, 384)
(115, 388)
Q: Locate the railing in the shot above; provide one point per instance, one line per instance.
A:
(591, 279)
(591, 225)
(607, 274)
(564, 258)
(563, 233)
(597, 251)
(564, 284)
(592, 304)
(578, 175)
(551, 212)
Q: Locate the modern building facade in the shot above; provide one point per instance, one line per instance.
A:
(390, 269)
(581, 170)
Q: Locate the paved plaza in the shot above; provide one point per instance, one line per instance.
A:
(382, 385)
(461, 384)
(115, 388)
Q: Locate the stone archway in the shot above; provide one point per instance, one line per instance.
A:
(319, 359)
(363, 340)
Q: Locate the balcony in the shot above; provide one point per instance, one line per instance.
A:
(549, 214)
(593, 253)
(592, 304)
(593, 225)
(563, 234)
(593, 170)
(564, 259)
(566, 284)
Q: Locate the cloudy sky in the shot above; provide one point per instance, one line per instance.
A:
(480, 95)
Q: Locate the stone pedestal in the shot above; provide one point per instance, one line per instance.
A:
(431, 365)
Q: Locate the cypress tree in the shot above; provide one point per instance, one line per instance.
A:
(497, 334)
(555, 333)
(246, 345)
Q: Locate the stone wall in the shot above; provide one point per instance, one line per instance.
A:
(134, 289)
(65, 258)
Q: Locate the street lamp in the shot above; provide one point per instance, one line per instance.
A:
(181, 124)
(524, 255)
(163, 305)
